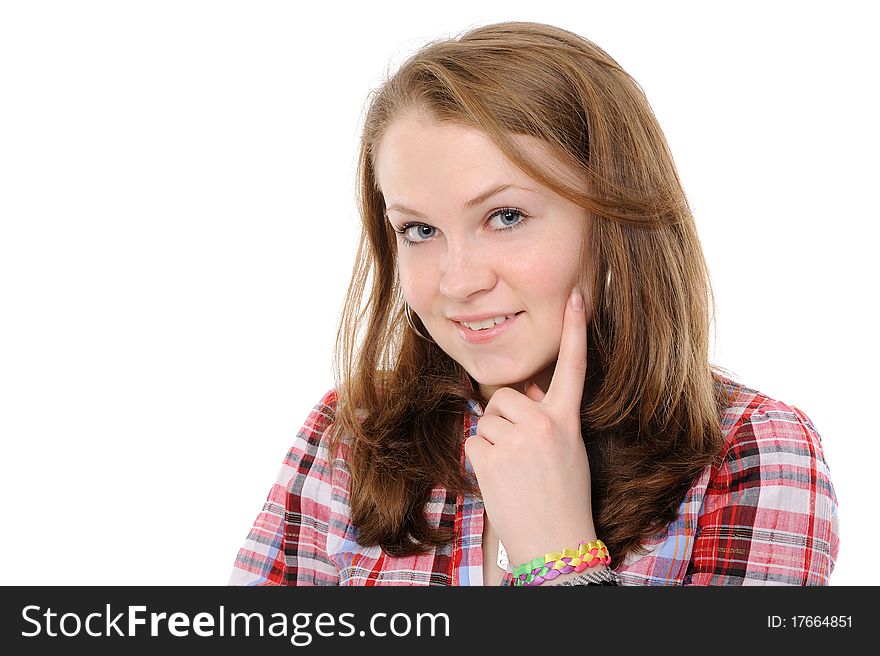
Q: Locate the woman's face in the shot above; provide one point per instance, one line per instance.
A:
(487, 257)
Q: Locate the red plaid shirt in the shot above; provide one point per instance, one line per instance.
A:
(766, 516)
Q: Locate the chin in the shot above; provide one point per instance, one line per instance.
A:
(499, 378)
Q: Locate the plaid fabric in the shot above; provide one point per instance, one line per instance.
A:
(766, 516)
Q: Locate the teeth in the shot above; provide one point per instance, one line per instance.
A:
(487, 323)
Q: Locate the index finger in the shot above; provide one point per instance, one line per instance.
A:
(567, 386)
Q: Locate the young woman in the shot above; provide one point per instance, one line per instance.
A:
(524, 395)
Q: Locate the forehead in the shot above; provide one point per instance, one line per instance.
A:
(417, 154)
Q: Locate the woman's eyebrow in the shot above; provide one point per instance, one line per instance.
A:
(472, 203)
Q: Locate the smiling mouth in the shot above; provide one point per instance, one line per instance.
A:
(486, 324)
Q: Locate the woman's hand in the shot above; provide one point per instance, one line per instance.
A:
(529, 457)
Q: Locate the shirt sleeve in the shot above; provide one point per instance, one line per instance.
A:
(288, 542)
(770, 511)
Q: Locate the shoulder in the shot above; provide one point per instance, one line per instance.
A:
(772, 467)
(299, 503)
(769, 514)
(757, 426)
(311, 456)
(321, 418)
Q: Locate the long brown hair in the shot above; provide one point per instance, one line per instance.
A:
(652, 402)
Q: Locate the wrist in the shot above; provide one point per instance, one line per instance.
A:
(537, 546)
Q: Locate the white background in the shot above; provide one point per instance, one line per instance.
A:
(178, 226)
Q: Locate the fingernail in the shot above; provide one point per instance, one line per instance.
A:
(577, 299)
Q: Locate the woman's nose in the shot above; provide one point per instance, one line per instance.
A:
(467, 270)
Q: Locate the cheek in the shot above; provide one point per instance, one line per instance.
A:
(549, 284)
(416, 281)
(546, 289)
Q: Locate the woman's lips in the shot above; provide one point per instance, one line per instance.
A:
(481, 336)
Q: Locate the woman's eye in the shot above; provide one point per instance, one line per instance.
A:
(418, 232)
(507, 218)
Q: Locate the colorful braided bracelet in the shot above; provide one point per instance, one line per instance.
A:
(550, 565)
